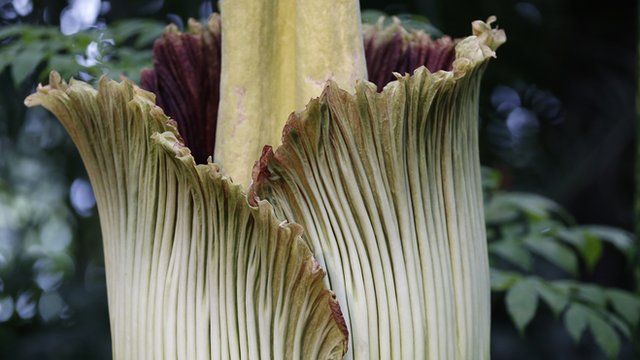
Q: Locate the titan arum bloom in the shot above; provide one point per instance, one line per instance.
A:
(216, 247)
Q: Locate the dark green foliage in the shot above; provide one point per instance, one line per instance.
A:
(31, 52)
(525, 229)
(409, 21)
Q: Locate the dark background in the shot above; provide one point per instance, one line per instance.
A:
(572, 65)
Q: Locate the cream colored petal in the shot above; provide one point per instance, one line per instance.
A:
(193, 271)
(276, 56)
(388, 187)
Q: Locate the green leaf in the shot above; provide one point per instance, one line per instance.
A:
(604, 334)
(575, 320)
(497, 213)
(12, 30)
(513, 252)
(591, 250)
(148, 36)
(589, 246)
(8, 53)
(514, 231)
(63, 64)
(490, 178)
(420, 23)
(371, 16)
(522, 302)
(593, 294)
(554, 252)
(626, 304)
(122, 30)
(619, 324)
(535, 207)
(545, 227)
(621, 239)
(25, 62)
(502, 280)
(143, 31)
(556, 298)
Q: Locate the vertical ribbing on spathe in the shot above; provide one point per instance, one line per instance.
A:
(388, 196)
(387, 186)
(193, 270)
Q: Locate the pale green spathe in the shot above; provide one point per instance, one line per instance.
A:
(193, 271)
(387, 186)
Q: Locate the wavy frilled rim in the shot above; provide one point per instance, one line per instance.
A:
(392, 48)
(186, 68)
(165, 137)
(171, 143)
(166, 134)
(482, 45)
(471, 53)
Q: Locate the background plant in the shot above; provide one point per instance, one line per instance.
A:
(547, 269)
(537, 255)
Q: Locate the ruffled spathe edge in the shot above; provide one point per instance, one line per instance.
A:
(475, 49)
(376, 175)
(472, 53)
(211, 170)
(168, 139)
(165, 137)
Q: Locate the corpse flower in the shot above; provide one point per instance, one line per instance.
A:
(360, 235)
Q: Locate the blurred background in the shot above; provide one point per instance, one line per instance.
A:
(558, 142)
